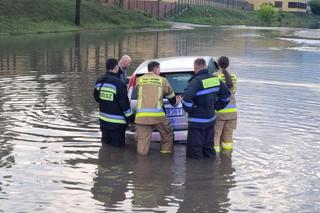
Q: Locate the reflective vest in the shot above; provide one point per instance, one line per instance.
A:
(230, 111)
(151, 89)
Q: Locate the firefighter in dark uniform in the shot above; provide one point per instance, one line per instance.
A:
(203, 95)
(115, 112)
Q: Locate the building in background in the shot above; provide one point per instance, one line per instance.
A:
(283, 5)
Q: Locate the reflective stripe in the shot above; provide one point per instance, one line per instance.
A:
(210, 82)
(165, 152)
(217, 149)
(139, 97)
(159, 97)
(208, 91)
(108, 89)
(150, 114)
(150, 80)
(202, 120)
(120, 117)
(112, 118)
(128, 113)
(229, 108)
(149, 110)
(227, 146)
(187, 104)
(171, 95)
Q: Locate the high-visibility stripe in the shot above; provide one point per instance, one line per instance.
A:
(106, 85)
(120, 117)
(108, 89)
(229, 108)
(150, 110)
(187, 104)
(227, 146)
(139, 97)
(202, 120)
(165, 152)
(217, 149)
(128, 113)
(171, 95)
(208, 91)
(150, 114)
(210, 82)
(159, 97)
(112, 118)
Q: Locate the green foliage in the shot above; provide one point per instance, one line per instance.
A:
(315, 6)
(220, 16)
(29, 16)
(266, 13)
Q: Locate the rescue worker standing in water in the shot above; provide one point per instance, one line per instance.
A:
(203, 95)
(227, 117)
(151, 89)
(115, 112)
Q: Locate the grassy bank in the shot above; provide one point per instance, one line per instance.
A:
(218, 17)
(38, 16)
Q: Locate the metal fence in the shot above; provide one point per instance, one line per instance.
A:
(163, 9)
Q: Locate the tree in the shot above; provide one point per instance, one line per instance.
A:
(315, 6)
(77, 12)
(266, 12)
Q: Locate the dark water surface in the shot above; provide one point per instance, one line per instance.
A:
(50, 155)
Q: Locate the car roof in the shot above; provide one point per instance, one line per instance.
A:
(172, 64)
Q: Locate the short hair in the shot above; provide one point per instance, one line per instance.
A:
(200, 62)
(125, 58)
(223, 62)
(152, 65)
(111, 63)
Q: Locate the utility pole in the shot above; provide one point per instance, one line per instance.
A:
(77, 12)
(159, 1)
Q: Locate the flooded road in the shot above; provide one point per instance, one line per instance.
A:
(51, 159)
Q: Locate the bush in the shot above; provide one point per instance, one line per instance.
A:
(266, 13)
(315, 6)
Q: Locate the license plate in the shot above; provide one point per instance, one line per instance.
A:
(174, 112)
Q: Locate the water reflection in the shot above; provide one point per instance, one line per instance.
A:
(49, 144)
(159, 183)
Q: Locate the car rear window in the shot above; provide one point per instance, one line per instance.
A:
(178, 82)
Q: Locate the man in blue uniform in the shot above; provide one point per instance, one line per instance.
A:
(115, 112)
(204, 94)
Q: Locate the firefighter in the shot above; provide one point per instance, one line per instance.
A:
(203, 94)
(115, 112)
(151, 89)
(227, 117)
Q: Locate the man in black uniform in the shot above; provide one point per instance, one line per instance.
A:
(203, 95)
(115, 112)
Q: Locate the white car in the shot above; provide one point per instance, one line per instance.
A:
(177, 70)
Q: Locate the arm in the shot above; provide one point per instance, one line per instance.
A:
(189, 93)
(169, 93)
(124, 103)
(223, 97)
(96, 91)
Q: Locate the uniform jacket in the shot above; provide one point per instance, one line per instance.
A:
(111, 94)
(151, 89)
(202, 96)
(230, 111)
(123, 76)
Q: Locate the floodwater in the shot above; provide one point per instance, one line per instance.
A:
(51, 159)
